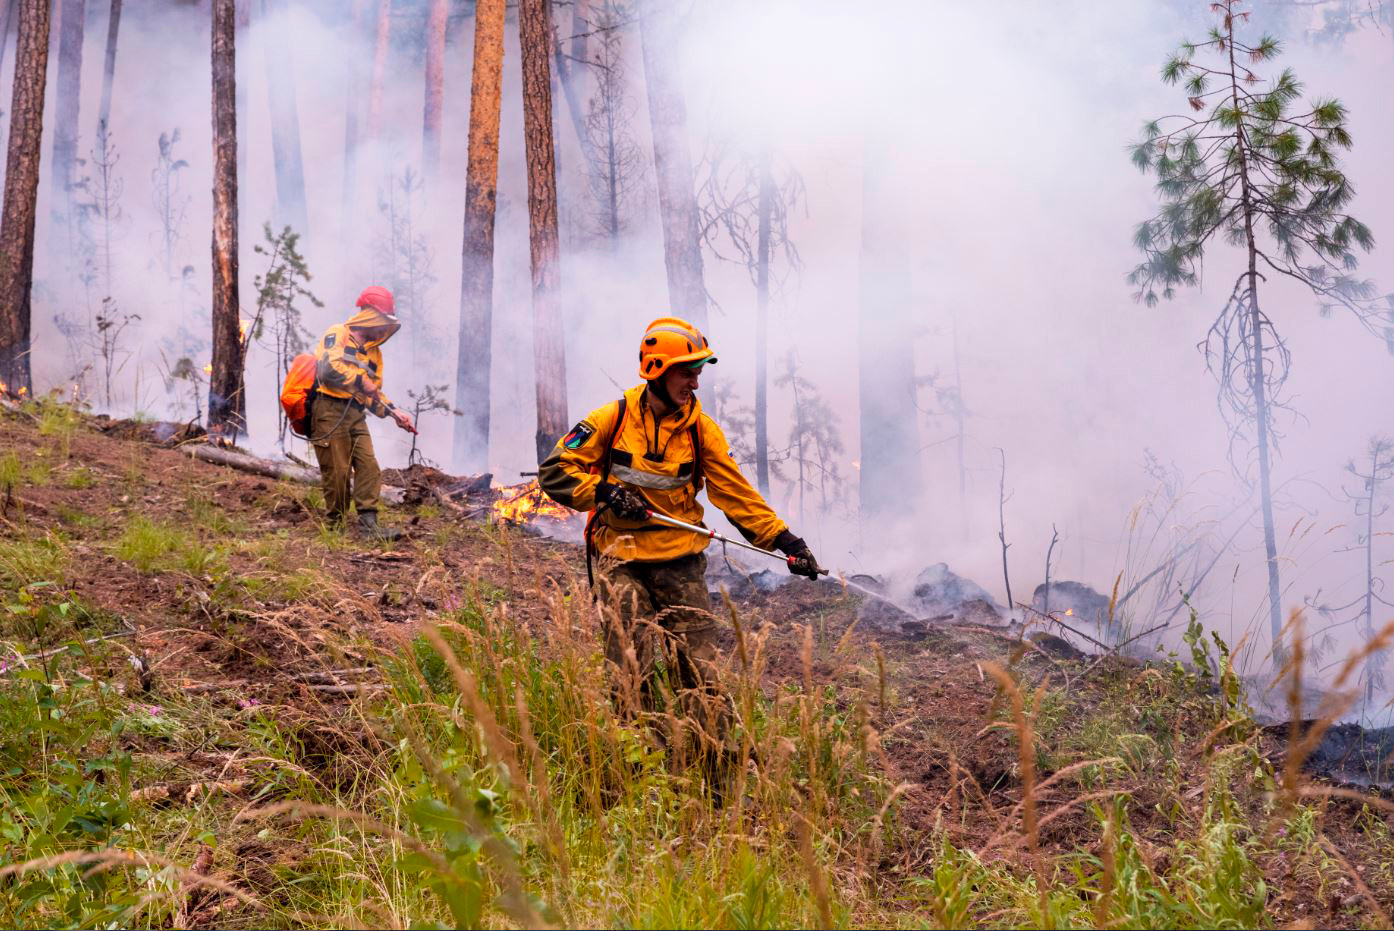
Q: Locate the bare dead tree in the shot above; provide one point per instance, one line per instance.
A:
(660, 29)
(743, 204)
(1002, 527)
(616, 161)
(171, 203)
(405, 255)
(1366, 501)
(549, 346)
(569, 55)
(102, 211)
(113, 28)
(1050, 551)
(111, 327)
(473, 368)
(21, 195)
(227, 399)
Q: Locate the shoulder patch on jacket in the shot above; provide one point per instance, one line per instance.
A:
(579, 436)
(329, 340)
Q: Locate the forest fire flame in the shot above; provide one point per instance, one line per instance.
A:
(526, 503)
(5, 389)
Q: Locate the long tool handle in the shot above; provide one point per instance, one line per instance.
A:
(713, 535)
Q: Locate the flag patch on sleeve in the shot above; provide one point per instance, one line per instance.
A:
(579, 436)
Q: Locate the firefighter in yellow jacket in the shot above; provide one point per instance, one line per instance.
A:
(656, 449)
(348, 376)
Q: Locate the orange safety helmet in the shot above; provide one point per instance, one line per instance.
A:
(378, 298)
(670, 341)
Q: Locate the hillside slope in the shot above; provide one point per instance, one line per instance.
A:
(215, 711)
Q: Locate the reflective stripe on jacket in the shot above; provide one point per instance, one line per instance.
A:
(342, 362)
(655, 459)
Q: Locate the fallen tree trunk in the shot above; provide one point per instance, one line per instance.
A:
(270, 468)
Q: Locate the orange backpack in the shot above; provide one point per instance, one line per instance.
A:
(298, 393)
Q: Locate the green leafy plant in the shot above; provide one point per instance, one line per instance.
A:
(1253, 167)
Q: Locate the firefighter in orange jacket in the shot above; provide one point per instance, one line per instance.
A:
(348, 375)
(656, 449)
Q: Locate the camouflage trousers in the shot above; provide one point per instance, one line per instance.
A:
(344, 448)
(661, 643)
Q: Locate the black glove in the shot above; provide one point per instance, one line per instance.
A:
(623, 503)
(801, 558)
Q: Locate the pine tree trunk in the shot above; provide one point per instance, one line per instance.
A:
(677, 204)
(435, 90)
(22, 194)
(380, 44)
(113, 27)
(227, 401)
(285, 126)
(549, 352)
(473, 370)
(352, 95)
(890, 459)
(764, 207)
(65, 122)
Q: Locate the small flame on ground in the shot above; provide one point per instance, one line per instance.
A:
(522, 504)
(208, 369)
(1069, 612)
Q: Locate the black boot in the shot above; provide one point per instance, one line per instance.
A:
(369, 527)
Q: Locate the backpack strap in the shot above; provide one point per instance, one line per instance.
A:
(605, 461)
(696, 456)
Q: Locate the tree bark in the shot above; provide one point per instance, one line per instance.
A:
(65, 124)
(352, 95)
(22, 194)
(285, 126)
(380, 44)
(435, 90)
(113, 27)
(764, 206)
(549, 348)
(682, 250)
(890, 459)
(227, 400)
(473, 368)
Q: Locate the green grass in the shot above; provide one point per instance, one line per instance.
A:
(82, 477)
(59, 421)
(25, 561)
(156, 547)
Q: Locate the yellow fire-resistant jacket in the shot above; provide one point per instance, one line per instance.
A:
(343, 362)
(655, 460)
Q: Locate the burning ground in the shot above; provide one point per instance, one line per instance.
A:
(243, 719)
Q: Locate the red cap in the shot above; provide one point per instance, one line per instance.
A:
(378, 298)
